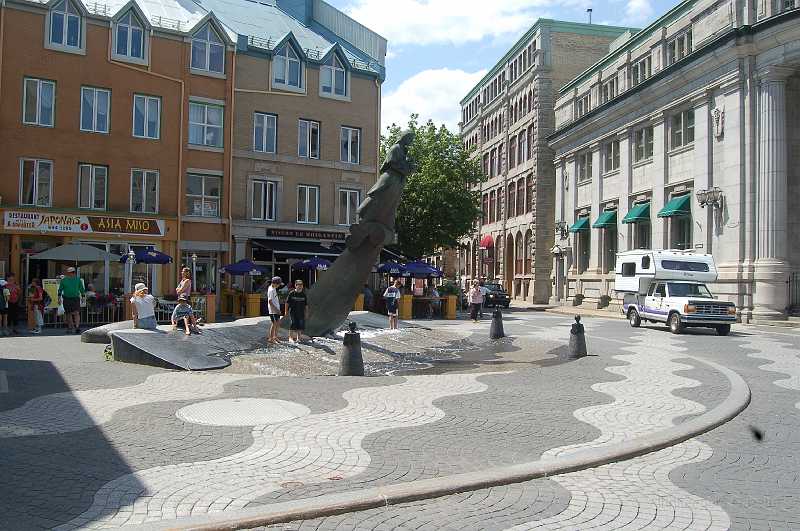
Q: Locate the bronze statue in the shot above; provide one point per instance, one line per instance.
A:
(332, 297)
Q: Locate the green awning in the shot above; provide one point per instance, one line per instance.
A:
(607, 218)
(638, 214)
(580, 224)
(678, 207)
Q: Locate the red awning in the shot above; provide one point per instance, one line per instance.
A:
(487, 242)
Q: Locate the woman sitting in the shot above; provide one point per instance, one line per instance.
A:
(144, 308)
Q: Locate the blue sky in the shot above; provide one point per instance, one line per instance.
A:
(438, 49)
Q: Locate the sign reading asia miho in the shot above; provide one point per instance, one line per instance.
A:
(81, 224)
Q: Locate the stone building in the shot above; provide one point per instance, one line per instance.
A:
(506, 118)
(686, 136)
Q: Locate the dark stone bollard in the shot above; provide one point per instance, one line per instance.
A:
(496, 330)
(351, 363)
(577, 340)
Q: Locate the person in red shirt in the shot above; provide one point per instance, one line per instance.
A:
(14, 299)
(36, 304)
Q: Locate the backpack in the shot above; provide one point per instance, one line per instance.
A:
(46, 300)
(3, 302)
(13, 298)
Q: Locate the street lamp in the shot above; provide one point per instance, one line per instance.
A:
(130, 260)
(194, 271)
(712, 197)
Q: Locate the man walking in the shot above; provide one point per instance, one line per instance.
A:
(71, 289)
(392, 297)
(297, 310)
(274, 309)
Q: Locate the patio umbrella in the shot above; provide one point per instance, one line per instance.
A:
(76, 252)
(422, 270)
(392, 269)
(243, 267)
(149, 256)
(316, 264)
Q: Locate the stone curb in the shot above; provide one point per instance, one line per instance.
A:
(370, 498)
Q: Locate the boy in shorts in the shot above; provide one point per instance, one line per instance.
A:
(297, 310)
(274, 309)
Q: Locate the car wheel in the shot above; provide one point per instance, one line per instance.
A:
(675, 324)
(723, 330)
(633, 318)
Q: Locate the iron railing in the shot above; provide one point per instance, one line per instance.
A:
(794, 292)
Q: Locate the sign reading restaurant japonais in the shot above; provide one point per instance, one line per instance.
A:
(81, 224)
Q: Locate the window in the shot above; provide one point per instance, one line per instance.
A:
(35, 182)
(95, 109)
(681, 232)
(582, 105)
(203, 192)
(645, 263)
(144, 191)
(679, 47)
(682, 129)
(146, 116)
(205, 124)
(307, 204)
(92, 186)
(609, 90)
(65, 25)
(659, 290)
(512, 152)
(641, 236)
(610, 247)
(492, 206)
(674, 265)
(522, 146)
(611, 156)
(511, 200)
(264, 196)
(643, 144)
(521, 203)
(333, 77)
(265, 132)
(308, 139)
(351, 143)
(485, 208)
(584, 243)
(641, 70)
(348, 206)
(40, 101)
(584, 166)
(286, 67)
(129, 37)
(208, 50)
(629, 269)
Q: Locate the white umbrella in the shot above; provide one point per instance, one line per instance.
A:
(76, 252)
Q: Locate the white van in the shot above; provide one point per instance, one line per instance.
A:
(669, 287)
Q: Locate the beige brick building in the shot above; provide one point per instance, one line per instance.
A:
(507, 117)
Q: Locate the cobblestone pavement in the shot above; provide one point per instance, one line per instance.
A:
(88, 443)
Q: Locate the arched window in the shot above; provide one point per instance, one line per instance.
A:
(333, 77)
(529, 149)
(522, 149)
(287, 67)
(129, 37)
(208, 50)
(492, 206)
(528, 249)
(519, 255)
(65, 25)
(512, 202)
(520, 196)
(485, 210)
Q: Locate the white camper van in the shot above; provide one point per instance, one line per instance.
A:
(669, 287)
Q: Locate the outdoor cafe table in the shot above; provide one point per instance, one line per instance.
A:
(420, 306)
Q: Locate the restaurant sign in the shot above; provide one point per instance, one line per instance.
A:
(81, 224)
(306, 234)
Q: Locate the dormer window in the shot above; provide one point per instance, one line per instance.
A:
(208, 50)
(333, 77)
(129, 37)
(287, 68)
(65, 25)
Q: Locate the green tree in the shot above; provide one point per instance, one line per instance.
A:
(439, 205)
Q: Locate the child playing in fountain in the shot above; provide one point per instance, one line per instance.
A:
(184, 315)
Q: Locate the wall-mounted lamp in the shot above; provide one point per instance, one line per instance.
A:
(712, 197)
(561, 230)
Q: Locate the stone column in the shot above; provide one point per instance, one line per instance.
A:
(595, 235)
(771, 267)
(660, 170)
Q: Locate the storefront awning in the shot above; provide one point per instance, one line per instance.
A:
(580, 224)
(487, 242)
(678, 207)
(607, 218)
(638, 214)
(298, 248)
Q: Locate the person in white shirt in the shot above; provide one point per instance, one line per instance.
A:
(392, 296)
(274, 309)
(144, 308)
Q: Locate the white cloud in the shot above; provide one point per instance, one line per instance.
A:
(432, 94)
(638, 12)
(423, 22)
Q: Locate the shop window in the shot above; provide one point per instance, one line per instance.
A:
(66, 26)
(35, 182)
(265, 132)
(308, 139)
(350, 145)
(129, 37)
(348, 206)
(287, 68)
(144, 191)
(643, 144)
(95, 109)
(610, 156)
(264, 196)
(208, 50)
(307, 204)
(40, 100)
(147, 116)
(682, 128)
(203, 193)
(205, 124)
(333, 77)
(92, 186)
